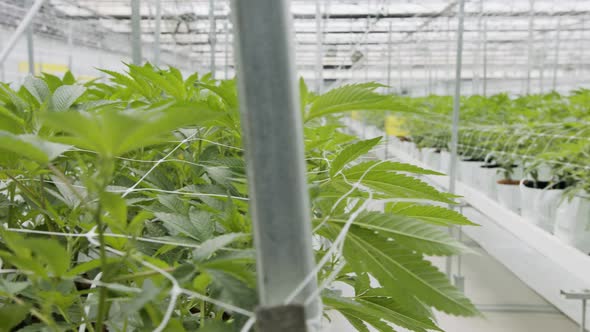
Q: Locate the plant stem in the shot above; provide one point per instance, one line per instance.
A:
(102, 295)
(202, 309)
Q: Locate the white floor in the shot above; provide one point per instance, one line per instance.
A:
(507, 304)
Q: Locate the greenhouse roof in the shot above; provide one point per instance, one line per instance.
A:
(517, 34)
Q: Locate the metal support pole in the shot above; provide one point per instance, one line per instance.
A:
(542, 65)
(448, 57)
(457, 99)
(583, 296)
(212, 37)
(400, 69)
(485, 57)
(157, 31)
(2, 73)
(476, 54)
(70, 45)
(583, 323)
(226, 49)
(429, 59)
(530, 59)
(30, 45)
(23, 25)
(389, 89)
(319, 66)
(136, 33)
(273, 133)
(556, 58)
(456, 106)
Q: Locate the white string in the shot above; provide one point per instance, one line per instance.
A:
(129, 190)
(341, 236)
(88, 300)
(176, 289)
(209, 141)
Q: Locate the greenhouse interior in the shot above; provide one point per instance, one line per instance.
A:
(294, 165)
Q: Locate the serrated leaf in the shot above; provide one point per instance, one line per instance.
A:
(37, 88)
(394, 267)
(31, 147)
(355, 97)
(197, 225)
(210, 246)
(351, 152)
(434, 214)
(402, 186)
(12, 314)
(375, 166)
(377, 315)
(408, 232)
(65, 96)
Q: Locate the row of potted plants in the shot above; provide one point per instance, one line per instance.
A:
(530, 153)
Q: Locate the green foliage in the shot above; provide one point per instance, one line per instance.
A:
(142, 179)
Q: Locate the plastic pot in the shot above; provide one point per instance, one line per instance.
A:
(572, 221)
(445, 162)
(468, 168)
(431, 157)
(543, 173)
(486, 178)
(508, 194)
(539, 202)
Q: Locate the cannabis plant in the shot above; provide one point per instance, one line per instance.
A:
(124, 207)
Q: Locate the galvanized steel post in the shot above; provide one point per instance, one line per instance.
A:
(457, 99)
(530, 59)
(273, 132)
(485, 57)
(226, 49)
(556, 56)
(456, 108)
(70, 45)
(22, 26)
(212, 37)
(136, 32)
(389, 89)
(319, 66)
(157, 31)
(30, 45)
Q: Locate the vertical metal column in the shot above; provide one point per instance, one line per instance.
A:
(319, 66)
(448, 57)
(457, 99)
(583, 323)
(542, 65)
(226, 48)
(530, 47)
(136, 32)
(429, 59)
(22, 26)
(400, 69)
(476, 54)
(273, 133)
(582, 50)
(2, 73)
(389, 89)
(70, 45)
(30, 44)
(556, 56)
(485, 57)
(212, 37)
(456, 106)
(157, 32)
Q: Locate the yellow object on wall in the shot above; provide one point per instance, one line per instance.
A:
(394, 126)
(51, 68)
